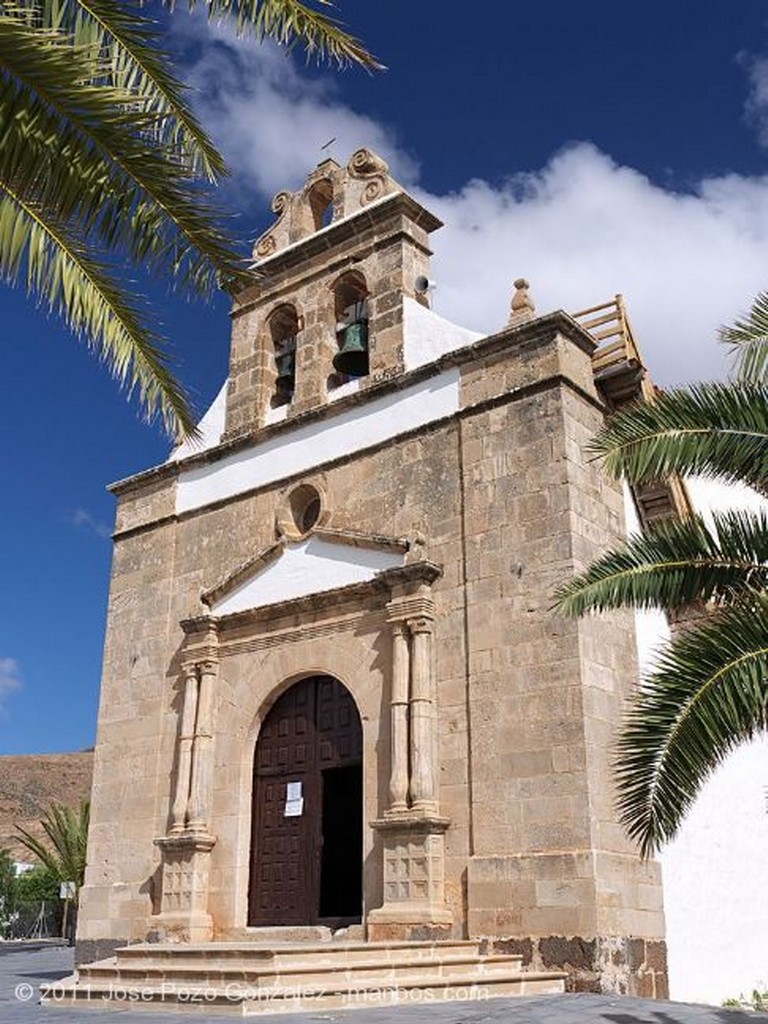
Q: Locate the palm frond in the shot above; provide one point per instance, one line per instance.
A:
(290, 21)
(109, 121)
(675, 564)
(708, 693)
(711, 430)
(64, 854)
(61, 275)
(748, 338)
(50, 162)
(131, 58)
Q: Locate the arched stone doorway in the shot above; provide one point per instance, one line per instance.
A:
(307, 814)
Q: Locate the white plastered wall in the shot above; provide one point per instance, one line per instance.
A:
(309, 567)
(715, 871)
(427, 336)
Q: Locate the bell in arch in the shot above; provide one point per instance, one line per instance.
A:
(352, 357)
(286, 363)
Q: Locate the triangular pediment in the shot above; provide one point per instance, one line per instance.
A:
(289, 570)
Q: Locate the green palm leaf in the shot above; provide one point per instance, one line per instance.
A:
(287, 21)
(748, 338)
(675, 564)
(711, 430)
(708, 693)
(65, 852)
(126, 43)
(101, 160)
(81, 187)
(61, 275)
(110, 124)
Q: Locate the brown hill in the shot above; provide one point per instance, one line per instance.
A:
(30, 783)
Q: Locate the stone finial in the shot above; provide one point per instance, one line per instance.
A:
(522, 309)
(417, 547)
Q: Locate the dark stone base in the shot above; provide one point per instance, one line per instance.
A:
(613, 964)
(403, 932)
(88, 950)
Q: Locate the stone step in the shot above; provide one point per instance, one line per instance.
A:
(265, 974)
(243, 999)
(286, 954)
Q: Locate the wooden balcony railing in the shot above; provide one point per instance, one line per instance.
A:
(622, 377)
(617, 363)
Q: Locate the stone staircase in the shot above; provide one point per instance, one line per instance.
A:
(249, 979)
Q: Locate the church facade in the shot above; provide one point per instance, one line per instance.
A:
(335, 694)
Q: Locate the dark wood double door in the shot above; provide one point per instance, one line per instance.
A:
(307, 833)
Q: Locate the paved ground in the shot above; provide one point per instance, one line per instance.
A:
(22, 971)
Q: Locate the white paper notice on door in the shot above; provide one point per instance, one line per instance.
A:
(294, 801)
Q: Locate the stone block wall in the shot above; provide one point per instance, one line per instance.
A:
(508, 505)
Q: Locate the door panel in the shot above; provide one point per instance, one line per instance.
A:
(312, 728)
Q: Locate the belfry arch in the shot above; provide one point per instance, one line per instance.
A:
(306, 858)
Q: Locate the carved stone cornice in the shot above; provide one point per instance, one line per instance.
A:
(201, 645)
(413, 573)
(188, 841)
(421, 824)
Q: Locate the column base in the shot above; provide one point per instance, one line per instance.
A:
(181, 926)
(414, 891)
(183, 913)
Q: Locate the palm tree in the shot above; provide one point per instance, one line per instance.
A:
(64, 853)
(708, 691)
(103, 166)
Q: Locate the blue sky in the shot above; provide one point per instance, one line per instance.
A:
(593, 148)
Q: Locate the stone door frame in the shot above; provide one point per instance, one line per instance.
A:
(315, 635)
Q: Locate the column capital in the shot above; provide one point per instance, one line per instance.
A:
(189, 671)
(201, 643)
(421, 624)
(410, 606)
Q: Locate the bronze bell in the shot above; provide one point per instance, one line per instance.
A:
(352, 357)
(285, 367)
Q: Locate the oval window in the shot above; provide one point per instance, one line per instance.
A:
(305, 505)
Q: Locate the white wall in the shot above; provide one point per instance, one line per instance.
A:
(306, 447)
(309, 567)
(715, 871)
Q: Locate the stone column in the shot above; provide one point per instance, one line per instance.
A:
(423, 741)
(398, 775)
(201, 788)
(186, 737)
(412, 837)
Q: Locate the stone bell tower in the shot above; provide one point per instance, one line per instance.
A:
(333, 269)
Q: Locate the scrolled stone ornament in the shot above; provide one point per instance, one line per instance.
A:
(280, 202)
(364, 162)
(373, 189)
(265, 246)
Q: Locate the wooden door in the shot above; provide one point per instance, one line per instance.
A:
(313, 729)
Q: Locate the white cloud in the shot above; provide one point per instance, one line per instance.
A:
(584, 228)
(10, 680)
(581, 229)
(756, 106)
(82, 518)
(269, 120)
